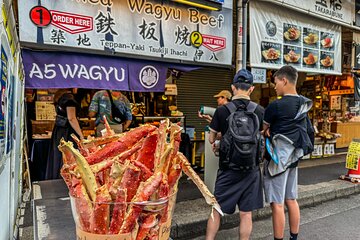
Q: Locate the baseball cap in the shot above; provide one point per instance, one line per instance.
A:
(243, 76)
(223, 93)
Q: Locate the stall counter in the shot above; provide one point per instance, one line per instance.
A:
(348, 131)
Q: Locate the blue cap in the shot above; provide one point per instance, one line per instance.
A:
(243, 76)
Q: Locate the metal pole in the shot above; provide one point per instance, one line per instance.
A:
(241, 9)
(244, 32)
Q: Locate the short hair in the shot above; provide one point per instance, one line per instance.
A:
(289, 72)
(242, 86)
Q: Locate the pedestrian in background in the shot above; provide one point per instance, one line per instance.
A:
(101, 106)
(236, 185)
(287, 124)
(222, 98)
(66, 123)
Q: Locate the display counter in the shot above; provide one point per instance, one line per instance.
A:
(348, 131)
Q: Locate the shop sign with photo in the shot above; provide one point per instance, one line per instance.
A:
(156, 29)
(333, 10)
(279, 37)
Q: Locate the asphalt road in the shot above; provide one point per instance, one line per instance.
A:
(338, 219)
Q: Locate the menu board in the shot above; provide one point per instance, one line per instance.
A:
(279, 37)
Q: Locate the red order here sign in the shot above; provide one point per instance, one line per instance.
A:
(214, 43)
(71, 23)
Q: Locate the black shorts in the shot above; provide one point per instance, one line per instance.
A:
(239, 188)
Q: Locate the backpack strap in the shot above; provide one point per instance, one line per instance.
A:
(231, 107)
(251, 106)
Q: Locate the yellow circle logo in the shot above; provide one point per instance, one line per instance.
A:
(196, 39)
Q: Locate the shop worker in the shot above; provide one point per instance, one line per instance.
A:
(222, 98)
(289, 129)
(238, 181)
(101, 106)
(66, 123)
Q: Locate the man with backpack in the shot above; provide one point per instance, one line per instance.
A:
(288, 126)
(238, 179)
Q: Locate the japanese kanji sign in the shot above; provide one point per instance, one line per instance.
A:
(155, 29)
(353, 156)
(333, 10)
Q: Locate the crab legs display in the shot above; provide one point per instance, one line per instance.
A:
(127, 183)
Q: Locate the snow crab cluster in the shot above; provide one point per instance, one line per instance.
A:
(112, 178)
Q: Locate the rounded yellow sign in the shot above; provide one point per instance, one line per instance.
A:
(196, 39)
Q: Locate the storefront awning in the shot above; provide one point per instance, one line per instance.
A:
(75, 70)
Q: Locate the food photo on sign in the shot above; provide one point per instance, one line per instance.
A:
(311, 38)
(327, 41)
(310, 58)
(271, 52)
(292, 55)
(326, 60)
(292, 34)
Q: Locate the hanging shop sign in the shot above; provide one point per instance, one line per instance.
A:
(167, 31)
(259, 75)
(69, 70)
(333, 10)
(279, 37)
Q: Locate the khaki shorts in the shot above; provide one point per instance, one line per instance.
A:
(281, 187)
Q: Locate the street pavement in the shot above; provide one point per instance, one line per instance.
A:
(332, 220)
(318, 183)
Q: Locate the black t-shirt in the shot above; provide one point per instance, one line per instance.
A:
(280, 112)
(66, 100)
(219, 122)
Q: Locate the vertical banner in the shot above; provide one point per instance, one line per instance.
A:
(10, 114)
(356, 78)
(4, 80)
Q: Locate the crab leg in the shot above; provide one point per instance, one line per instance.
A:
(112, 149)
(130, 181)
(142, 130)
(118, 212)
(174, 175)
(146, 224)
(83, 151)
(145, 172)
(109, 131)
(175, 138)
(161, 143)
(146, 154)
(101, 216)
(84, 169)
(83, 206)
(209, 198)
(145, 190)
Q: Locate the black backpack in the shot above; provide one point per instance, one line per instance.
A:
(240, 147)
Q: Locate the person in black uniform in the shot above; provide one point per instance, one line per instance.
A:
(66, 123)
